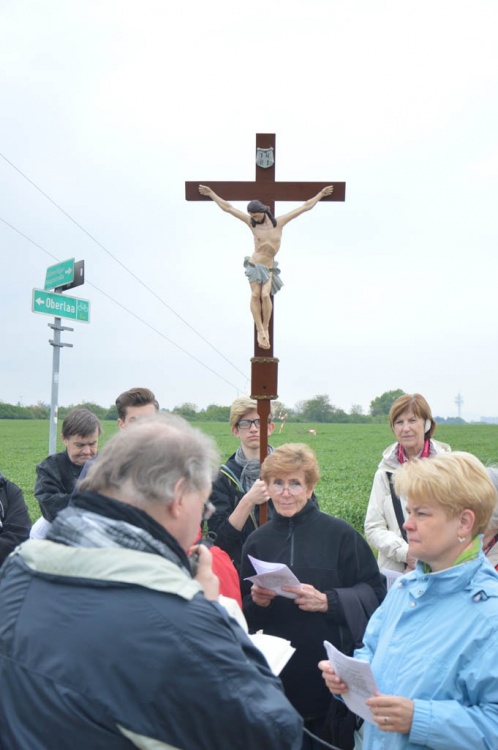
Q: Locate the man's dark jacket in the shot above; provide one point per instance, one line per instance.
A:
(110, 648)
(56, 477)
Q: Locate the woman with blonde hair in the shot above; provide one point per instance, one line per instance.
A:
(433, 644)
(413, 425)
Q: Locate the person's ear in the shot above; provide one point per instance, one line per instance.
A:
(271, 427)
(120, 423)
(176, 505)
(235, 432)
(310, 488)
(428, 425)
(467, 521)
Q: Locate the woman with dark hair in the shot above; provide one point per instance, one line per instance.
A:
(413, 425)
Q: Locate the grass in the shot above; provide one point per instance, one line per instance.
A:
(348, 455)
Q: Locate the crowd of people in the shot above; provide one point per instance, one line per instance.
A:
(124, 620)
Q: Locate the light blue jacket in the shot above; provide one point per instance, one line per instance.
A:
(435, 640)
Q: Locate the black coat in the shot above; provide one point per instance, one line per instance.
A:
(329, 554)
(226, 494)
(56, 478)
(15, 524)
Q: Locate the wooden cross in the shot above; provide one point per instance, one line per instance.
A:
(264, 366)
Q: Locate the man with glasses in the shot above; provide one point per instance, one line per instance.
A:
(107, 635)
(238, 490)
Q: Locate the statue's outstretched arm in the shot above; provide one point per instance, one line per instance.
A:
(283, 220)
(224, 205)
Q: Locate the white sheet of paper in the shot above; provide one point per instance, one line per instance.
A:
(358, 677)
(273, 576)
(277, 651)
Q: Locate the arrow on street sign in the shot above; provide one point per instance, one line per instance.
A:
(60, 305)
(62, 273)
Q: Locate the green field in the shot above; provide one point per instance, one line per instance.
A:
(348, 455)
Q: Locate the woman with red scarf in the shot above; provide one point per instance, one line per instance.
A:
(411, 421)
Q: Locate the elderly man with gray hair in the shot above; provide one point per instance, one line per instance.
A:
(108, 640)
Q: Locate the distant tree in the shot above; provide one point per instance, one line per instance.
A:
(450, 420)
(357, 415)
(338, 415)
(99, 411)
(39, 411)
(187, 410)
(111, 413)
(215, 413)
(381, 405)
(319, 409)
(11, 411)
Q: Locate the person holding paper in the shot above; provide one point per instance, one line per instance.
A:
(433, 644)
(340, 583)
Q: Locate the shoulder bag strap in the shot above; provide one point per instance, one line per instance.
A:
(397, 506)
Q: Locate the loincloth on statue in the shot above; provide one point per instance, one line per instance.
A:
(260, 274)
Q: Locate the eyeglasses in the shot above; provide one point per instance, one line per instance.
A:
(208, 510)
(294, 487)
(245, 424)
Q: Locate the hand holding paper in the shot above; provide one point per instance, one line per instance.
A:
(273, 576)
(358, 678)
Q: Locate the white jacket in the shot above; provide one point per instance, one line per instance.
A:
(381, 526)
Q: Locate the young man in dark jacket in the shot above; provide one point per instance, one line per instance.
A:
(238, 491)
(56, 476)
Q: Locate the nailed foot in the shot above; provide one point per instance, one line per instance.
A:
(263, 339)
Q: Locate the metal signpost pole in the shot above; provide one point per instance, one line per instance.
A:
(60, 277)
(54, 400)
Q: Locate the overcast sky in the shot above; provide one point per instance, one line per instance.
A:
(109, 106)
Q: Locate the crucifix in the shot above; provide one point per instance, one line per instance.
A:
(263, 276)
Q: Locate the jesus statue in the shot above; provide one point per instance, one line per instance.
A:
(261, 268)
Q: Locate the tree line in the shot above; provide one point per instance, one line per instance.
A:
(317, 409)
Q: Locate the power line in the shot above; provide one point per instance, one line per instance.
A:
(123, 307)
(128, 270)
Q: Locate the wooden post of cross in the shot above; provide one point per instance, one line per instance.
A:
(264, 366)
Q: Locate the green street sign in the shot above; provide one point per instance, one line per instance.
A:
(62, 273)
(60, 305)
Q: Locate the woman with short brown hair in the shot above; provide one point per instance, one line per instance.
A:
(413, 425)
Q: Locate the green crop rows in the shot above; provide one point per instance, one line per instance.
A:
(348, 455)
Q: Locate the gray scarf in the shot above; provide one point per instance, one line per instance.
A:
(76, 527)
(251, 468)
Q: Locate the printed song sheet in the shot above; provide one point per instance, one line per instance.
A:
(358, 677)
(273, 576)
